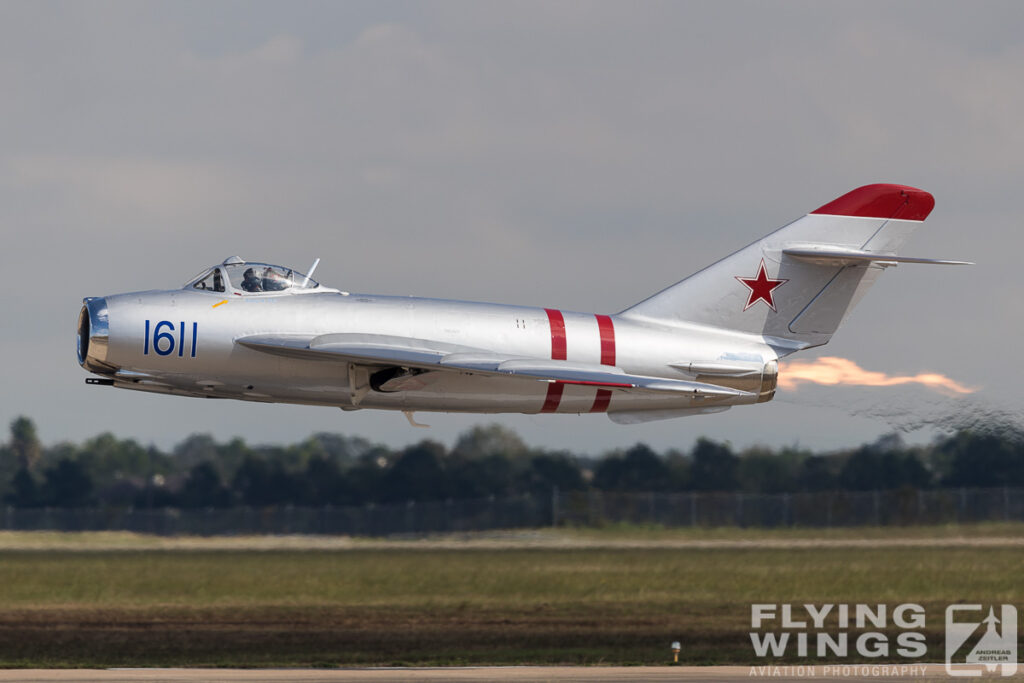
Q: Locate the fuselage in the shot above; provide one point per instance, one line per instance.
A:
(184, 342)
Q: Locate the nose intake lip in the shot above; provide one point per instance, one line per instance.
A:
(94, 335)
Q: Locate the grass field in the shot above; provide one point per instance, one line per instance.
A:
(119, 600)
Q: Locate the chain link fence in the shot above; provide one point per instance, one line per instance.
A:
(825, 509)
(577, 508)
(369, 520)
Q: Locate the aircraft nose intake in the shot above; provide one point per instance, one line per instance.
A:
(94, 335)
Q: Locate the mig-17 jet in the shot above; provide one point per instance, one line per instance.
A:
(261, 332)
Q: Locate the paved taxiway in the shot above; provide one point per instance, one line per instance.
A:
(514, 674)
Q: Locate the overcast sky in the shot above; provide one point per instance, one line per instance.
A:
(572, 155)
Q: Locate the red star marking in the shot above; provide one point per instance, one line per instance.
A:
(761, 287)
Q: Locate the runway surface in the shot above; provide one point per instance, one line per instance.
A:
(516, 674)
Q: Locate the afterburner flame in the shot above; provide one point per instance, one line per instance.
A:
(831, 370)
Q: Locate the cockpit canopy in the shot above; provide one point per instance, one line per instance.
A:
(244, 277)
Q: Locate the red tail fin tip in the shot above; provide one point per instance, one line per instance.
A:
(882, 201)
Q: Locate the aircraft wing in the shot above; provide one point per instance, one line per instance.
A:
(388, 351)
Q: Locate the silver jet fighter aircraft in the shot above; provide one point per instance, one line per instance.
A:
(260, 332)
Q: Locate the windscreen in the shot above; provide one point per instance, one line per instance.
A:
(211, 282)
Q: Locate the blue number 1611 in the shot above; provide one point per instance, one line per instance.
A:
(164, 341)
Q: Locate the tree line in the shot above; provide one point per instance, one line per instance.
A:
(338, 470)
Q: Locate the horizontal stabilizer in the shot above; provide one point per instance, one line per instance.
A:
(719, 368)
(832, 256)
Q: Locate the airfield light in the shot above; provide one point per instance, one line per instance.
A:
(675, 652)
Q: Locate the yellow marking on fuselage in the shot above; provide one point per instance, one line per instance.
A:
(219, 303)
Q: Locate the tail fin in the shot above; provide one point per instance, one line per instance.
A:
(798, 284)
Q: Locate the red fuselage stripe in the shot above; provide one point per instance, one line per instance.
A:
(607, 331)
(553, 398)
(557, 334)
(558, 352)
(601, 401)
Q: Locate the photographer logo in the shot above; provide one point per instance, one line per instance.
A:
(977, 642)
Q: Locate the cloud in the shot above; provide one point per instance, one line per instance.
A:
(153, 188)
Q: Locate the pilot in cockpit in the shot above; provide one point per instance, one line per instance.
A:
(251, 283)
(274, 281)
